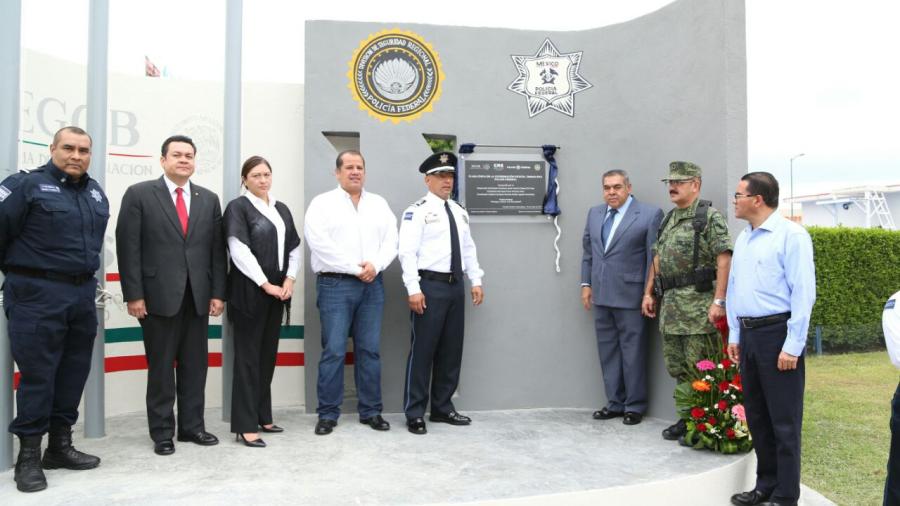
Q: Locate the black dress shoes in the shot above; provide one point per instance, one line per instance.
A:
(632, 418)
(751, 498)
(252, 443)
(376, 422)
(778, 503)
(164, 447)
(201, 438)
(416, 425)
(274, 428)
(674, 431)
(324, 426)
(453, 418)
(606, 414)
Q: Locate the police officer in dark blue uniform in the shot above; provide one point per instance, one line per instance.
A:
(52, 224)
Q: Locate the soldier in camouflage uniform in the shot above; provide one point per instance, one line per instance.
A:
(694, 295)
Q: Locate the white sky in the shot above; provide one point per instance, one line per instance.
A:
(823, 76)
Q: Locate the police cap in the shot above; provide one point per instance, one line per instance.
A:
(443, 161)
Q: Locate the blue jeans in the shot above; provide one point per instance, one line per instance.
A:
(349, 307)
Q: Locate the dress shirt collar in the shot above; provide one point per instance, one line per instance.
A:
(623, 208)
(171, 185)
(258, 202)
(772, 223)
(431, 197)
(347, 195)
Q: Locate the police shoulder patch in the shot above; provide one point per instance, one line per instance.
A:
(4, 192)
(890, 304)
(408, 216)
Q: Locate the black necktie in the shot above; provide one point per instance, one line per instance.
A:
(455, 257)
(607, 225)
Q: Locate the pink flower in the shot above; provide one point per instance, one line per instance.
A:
(706, 365)
(738, 411)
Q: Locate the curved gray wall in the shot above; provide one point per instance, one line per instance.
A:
(666, 86)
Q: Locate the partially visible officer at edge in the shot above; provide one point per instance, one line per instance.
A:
(52, 223)
(435, 249)
(688, 278)
(890, 320)
(773, 288)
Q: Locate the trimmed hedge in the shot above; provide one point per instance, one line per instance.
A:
(857, 270)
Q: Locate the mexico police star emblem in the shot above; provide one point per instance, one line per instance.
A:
(549, 79)
(96, 194)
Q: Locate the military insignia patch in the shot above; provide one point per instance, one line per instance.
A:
(549, 80)
(96, 194)
(396, 75)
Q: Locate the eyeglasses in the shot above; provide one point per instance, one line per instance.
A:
(742, 195)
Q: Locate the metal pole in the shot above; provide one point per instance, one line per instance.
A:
(97, 73)
(10, 55)
(792, 183)
(231, 161)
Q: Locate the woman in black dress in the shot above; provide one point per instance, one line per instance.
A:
(265, 256)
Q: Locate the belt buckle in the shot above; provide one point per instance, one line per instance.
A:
(450, 278)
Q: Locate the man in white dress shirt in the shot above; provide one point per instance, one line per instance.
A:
(436, 247)
(352, 237)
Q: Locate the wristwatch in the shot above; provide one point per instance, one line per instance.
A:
(719, 302)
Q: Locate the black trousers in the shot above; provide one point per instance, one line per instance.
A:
(436, 349)
(52, 325)
(773, 401)
(255, 350)
(178, 341)
(892, 483)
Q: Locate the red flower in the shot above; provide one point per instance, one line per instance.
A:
(724, 386)
(736, 381)
(697, 413)
(722, 405)
(726, 363)
(729, 433)
(712, 420)
(701, 427)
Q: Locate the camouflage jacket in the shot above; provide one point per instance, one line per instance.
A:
(684, 310)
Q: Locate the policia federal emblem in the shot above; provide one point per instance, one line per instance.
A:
(396, 75)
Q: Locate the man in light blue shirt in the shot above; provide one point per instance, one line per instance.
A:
(771, 292)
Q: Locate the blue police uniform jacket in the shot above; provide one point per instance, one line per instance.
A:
(49, 222)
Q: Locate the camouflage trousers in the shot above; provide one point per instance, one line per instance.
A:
(681, 353)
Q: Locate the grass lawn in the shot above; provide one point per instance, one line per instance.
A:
(846, 434)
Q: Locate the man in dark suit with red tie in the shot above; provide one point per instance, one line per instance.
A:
(171, 255)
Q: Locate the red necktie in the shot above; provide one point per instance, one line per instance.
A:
(181, 209)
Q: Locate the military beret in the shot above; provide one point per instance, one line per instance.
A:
(443, 161)
(680, 171)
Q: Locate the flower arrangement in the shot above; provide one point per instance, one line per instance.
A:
(712, 406)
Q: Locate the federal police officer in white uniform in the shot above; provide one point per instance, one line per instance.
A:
(890, 320)
(436, 247)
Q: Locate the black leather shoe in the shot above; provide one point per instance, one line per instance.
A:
(376, 422)
(751, 498)
(164, 447)
(674, 431)
(632, 418)
(61, 454)
(273, 429)
(201, 438)
(324, 426)
(778, 503)
(252, 443)
(416, 425)
(29, 476)
(453, 418)
(606, 414)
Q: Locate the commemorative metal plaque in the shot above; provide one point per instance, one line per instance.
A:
(504, 185)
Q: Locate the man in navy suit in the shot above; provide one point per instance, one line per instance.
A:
(618, 249)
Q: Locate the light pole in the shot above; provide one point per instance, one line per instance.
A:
(792, 183)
